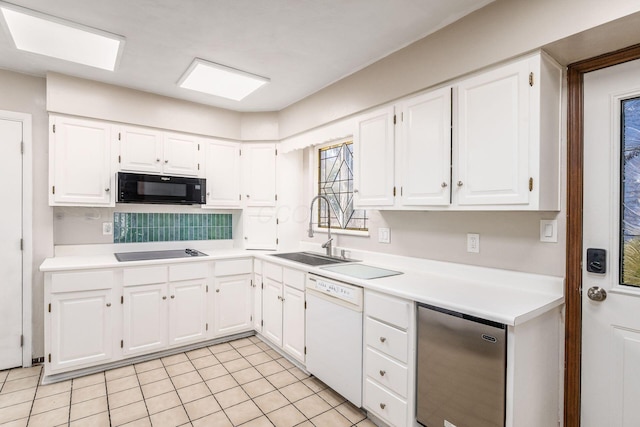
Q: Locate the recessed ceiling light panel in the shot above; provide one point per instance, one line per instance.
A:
(35, 32)
(216, 79)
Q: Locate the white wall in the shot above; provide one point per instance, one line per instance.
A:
(26, 94)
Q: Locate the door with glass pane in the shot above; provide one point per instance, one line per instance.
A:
(611, 282)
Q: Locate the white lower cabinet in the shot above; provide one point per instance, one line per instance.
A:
(145, 318)
(389, 358)
(256, 295)
(79, 320)
(232, 296)
(283, 305)
(187, 311)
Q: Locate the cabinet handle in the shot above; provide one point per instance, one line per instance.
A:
(108, 304)
(164, 297)
(382, 339)
(355, 191)
(158, 160)
(166, 161)
(107, 190)
(459, 183)
(217, 290)
(247, 196)
(208, 193)
(443, 185)
(382, 373)
(383, 405)
(173, 296)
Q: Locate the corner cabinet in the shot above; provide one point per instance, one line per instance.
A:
(80, 162)
(488, 142)
(222, 171)
(232, 297)
(259, 174)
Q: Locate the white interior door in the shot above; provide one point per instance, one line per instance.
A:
(10, 253)
(611, 326)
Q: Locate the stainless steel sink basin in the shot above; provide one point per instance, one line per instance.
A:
(310, 258)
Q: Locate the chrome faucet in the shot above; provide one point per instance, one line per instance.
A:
(327, 244)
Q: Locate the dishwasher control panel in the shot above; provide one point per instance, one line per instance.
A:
(343, 291)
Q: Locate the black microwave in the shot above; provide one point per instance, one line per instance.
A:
(174, 190)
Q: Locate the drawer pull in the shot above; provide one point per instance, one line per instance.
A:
(173, 296)
(383, 405)
(108, 304)
(218, 290)
(382, 339)
(382, 373)
(164, 297)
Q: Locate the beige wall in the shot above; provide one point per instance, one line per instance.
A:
(26, 94)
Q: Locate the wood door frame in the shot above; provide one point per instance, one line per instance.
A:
(575, 170)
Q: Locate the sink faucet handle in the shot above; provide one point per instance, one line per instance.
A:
(327, 243)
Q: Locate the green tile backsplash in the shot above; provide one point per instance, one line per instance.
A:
(130, 227)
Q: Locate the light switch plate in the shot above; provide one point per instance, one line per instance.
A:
(549, 230)
(384, 235)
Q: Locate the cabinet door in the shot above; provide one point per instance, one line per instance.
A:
(272, 311)
(80, 163)
(233, 304)
(187, 311)
(293, 323)
(181, 154)
(140, 149)
(222, 164)
(424, 150)
(257, 302)
(493, 137)
(373, 153)
(259, 174)
(81, 329)
(145, 318)
(260, 227)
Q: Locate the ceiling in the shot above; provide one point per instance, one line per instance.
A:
(301, 45)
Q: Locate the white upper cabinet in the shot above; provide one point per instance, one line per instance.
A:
(373, 141)
(507, 133)
(140, 149)
(423, 150)
(80, 163)
(222, 164)
(147, 150)
(260, 228)
(259, 174)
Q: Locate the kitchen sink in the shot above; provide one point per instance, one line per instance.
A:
(310, 258)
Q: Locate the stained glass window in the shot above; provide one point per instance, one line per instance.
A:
(630, 193)
(335, 180)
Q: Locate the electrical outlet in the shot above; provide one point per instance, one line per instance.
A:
(473, 243)
(384, 235)
(107, 228)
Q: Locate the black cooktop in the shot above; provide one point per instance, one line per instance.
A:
(148, 255)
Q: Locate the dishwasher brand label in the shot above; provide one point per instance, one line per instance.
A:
(342, 292)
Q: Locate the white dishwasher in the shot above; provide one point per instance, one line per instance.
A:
(334, 335)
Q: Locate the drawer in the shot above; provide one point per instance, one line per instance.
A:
(188, 271)
(387, 339)
(82, 281)
(387, 372)
(272, 271)
(144, 275)
(232, 267)
(384, 404)
(293, 278)
(392, 310)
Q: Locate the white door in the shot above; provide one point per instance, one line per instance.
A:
(233, 304)
(293, 322)
(222, 165)
(425, 150)
(140, 149)
(81, 329)
(259, 174)
(10, 253)
(373, 147)
(272, 311)
(145, 318)
(493, 137)
(181, 155)
(260, 228)
(187, 311)
(611, 327)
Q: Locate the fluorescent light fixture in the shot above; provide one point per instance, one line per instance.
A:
(216, 79)
(36, 32)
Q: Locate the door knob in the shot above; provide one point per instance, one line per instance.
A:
(460, 183)
(382, 373)
(596, 293)
(443, 185)
(382, 339)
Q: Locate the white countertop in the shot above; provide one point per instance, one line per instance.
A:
(503, 296)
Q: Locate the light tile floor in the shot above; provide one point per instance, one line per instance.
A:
(239, 383)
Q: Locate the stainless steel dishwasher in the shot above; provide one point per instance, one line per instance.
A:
(461, 369)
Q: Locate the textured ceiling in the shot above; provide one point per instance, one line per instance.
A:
(301, 45)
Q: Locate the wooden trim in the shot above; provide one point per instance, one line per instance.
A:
(573, 285)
